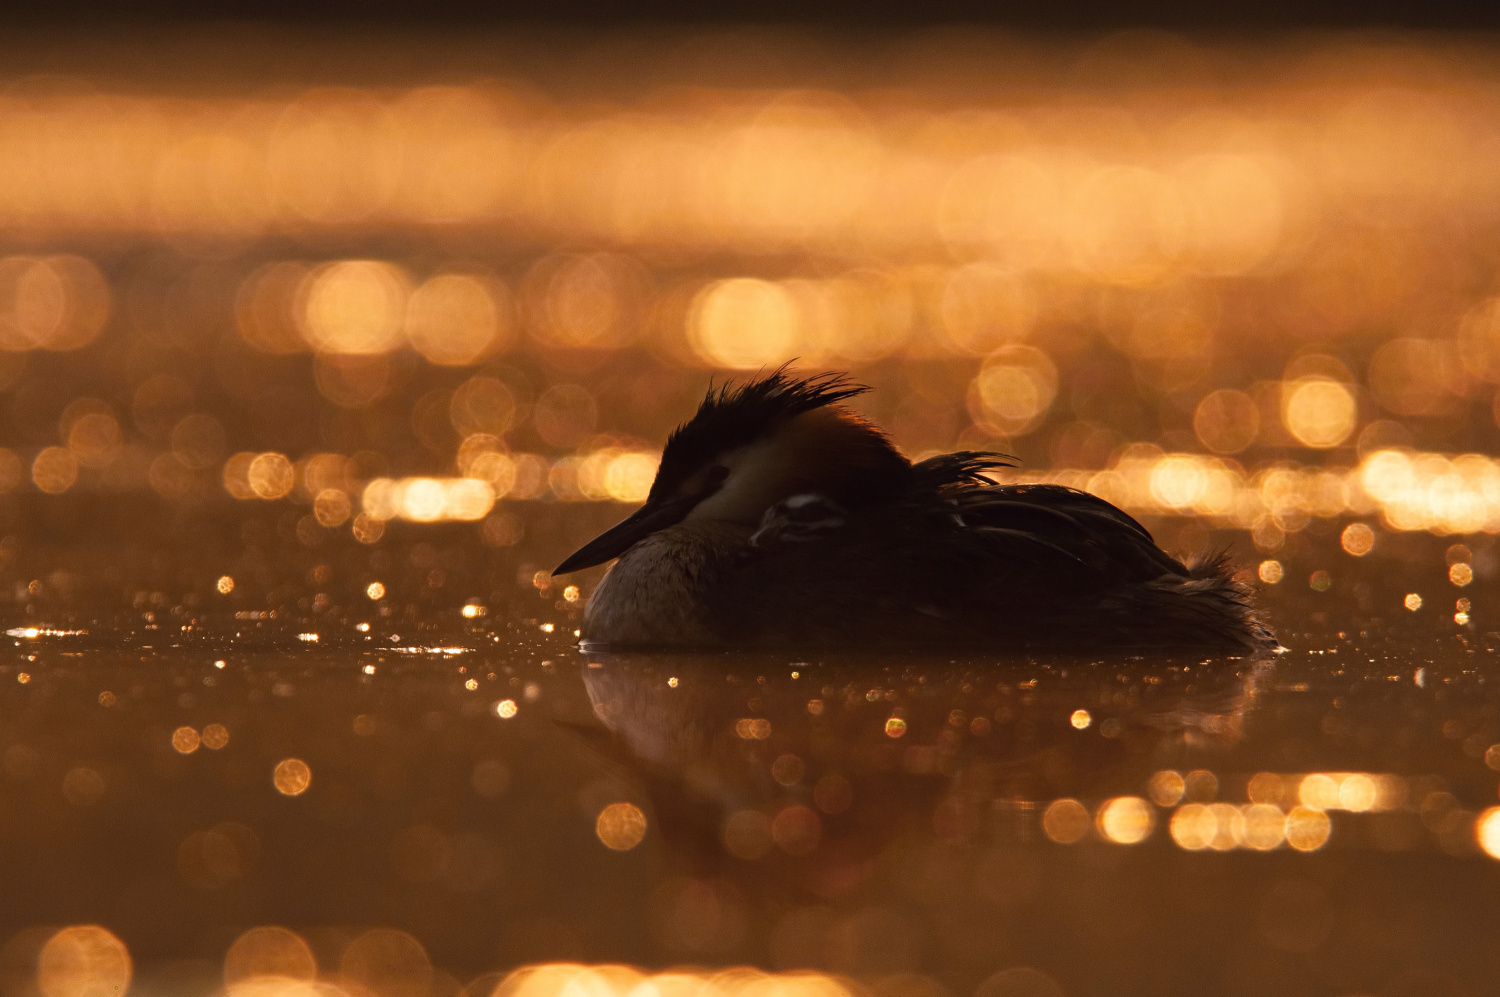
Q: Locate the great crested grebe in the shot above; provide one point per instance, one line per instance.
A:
(781, 519)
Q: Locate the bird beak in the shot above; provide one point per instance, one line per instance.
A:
(622, 536)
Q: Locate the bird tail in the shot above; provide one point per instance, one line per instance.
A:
(1209, 601)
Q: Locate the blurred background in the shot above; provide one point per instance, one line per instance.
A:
(387, 275)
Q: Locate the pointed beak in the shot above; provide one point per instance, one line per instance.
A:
(648, 519)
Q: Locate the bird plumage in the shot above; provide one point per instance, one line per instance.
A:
(779, 518)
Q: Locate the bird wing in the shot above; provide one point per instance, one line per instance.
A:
(957, 551)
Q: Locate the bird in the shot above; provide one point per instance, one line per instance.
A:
(779, 518)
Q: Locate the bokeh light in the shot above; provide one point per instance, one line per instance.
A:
(292, 777)
(269, 951)
(83, 961)
(1125, 820)
(621, 826)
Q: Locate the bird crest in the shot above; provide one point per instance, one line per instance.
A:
(733, 416)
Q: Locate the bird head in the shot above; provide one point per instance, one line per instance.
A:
(750, 446)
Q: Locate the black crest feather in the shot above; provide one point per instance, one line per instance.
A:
(736, 415)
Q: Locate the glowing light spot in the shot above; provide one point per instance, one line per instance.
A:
(1357, 539)
(308, 638)
(225, 585)
(1013, 391)
(471, 684)
(1413, 601)
(1065, 821)
(456, 319)
(1178, 481)
(1193, 826)
(743, 323)
(375, 591)
(570, 594)
(83, 961)
(1307, 829)
(1125, 820)
(1357, 792)
(1270, 572)
(331, 507)
(621, 826)
(672, 682)
(1264, 826)
(1319, 412)
(1318, 792)
(752, 728)
(106, 698)
(388, 962)
(271, 476)
(269, 951)
(1166, 788)
(23, 677)
(292, 777)
(93, 436)
(1265, 787)
(1200, 786)
(186, 740)
(367, 529)
(1487, 832)
(423, 500)
(215, 737)
(54, 470)
(1226, 421)
(505, 709)
(473, 611)
(1319, 581)
(1080, 719)
(354, 307)
(895, 727)
(629, 476)
(1460, 574)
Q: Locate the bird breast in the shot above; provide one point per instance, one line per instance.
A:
(656, 593)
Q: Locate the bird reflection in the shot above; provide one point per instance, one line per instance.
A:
(791, 781)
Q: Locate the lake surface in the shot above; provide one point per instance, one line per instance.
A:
(319, 349)
(420, 796)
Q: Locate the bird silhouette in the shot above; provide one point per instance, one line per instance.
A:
(781, 518)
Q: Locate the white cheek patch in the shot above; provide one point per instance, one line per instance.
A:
(755, 478)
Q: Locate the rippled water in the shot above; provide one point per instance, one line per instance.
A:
(181, 764)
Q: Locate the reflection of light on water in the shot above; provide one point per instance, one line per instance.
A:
(621, 826)
(34, 632)
(83, 961)
(292, 777)
(428, 500)
(1409, 490)
(1065, 821)
(269, 951)
(1125, 820)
